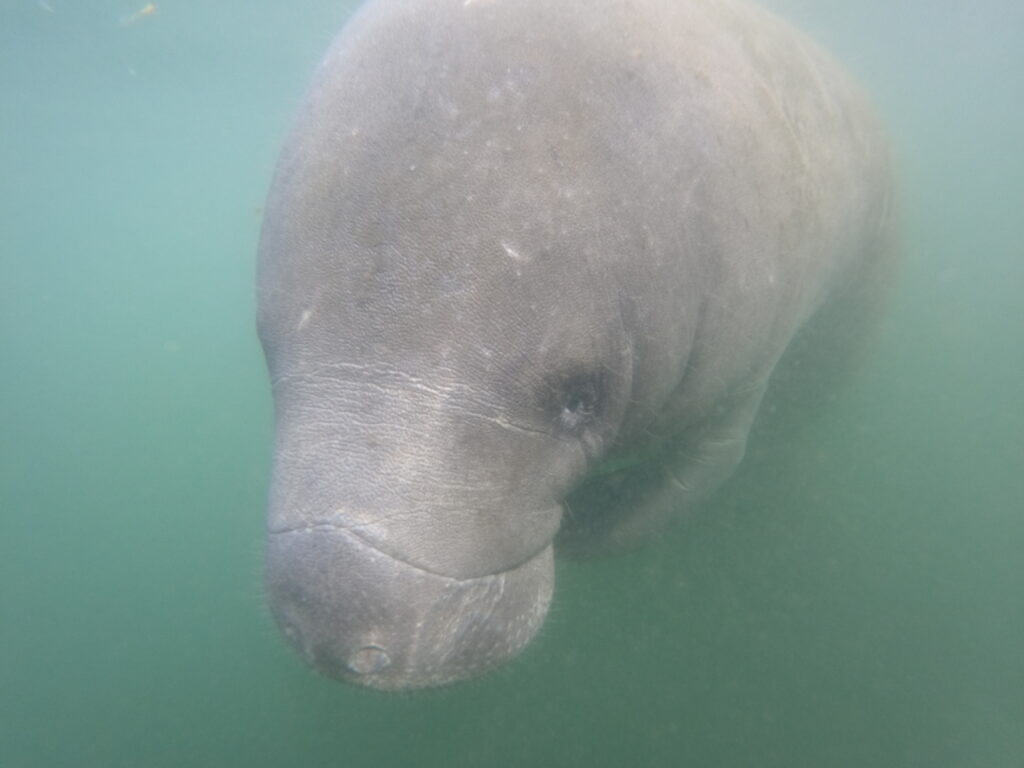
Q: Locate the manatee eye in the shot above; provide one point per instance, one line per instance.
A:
(578, 402)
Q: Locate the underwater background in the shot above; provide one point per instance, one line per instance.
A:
(853, 599)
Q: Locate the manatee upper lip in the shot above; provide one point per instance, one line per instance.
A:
(362, 540)
(368, 542)
(367, 633)
(327, 526)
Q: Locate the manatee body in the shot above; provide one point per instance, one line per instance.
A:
(517, 250)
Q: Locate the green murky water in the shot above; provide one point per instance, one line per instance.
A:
(855, 600)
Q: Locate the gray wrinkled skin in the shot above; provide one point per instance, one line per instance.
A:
(518, 249)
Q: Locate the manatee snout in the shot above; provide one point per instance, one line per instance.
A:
(363, 616)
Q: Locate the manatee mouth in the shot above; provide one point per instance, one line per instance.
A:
(360, 615)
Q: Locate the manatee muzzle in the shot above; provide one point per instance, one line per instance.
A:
(363, 616)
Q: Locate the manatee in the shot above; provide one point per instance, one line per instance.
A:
(521, 257)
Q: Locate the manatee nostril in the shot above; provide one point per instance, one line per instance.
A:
(367, 660)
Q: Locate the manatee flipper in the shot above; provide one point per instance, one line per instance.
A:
(624, 507)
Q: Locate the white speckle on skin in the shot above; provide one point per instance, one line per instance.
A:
(304, 318)
(513, 253)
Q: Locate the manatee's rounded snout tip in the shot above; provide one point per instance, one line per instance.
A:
(364, 618)
(368, 660)
(363, 661)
